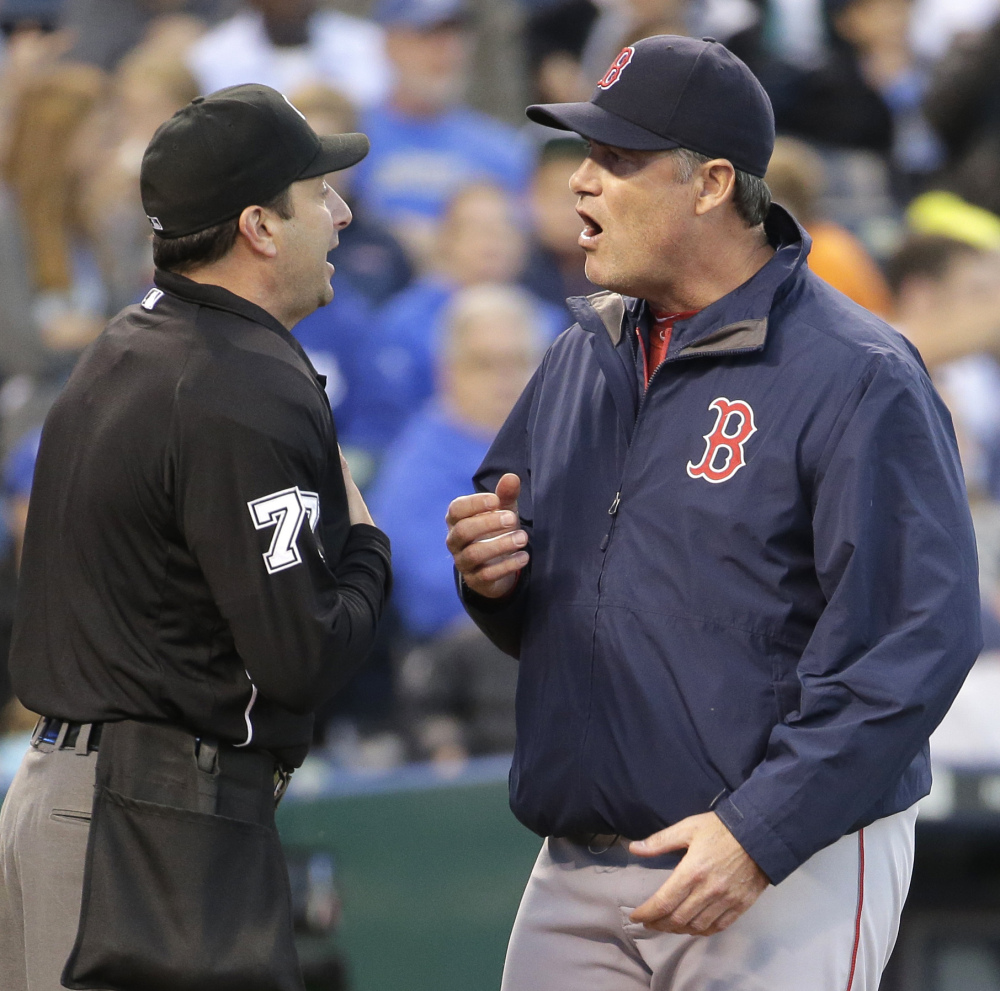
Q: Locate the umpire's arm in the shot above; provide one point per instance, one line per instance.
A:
(263, 506)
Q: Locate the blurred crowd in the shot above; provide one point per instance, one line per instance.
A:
(453, 276)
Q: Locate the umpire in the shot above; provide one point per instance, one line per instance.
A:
(200, 573)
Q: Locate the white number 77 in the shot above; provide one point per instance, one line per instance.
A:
(285, 511)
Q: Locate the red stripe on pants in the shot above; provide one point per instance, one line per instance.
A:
(861, 902)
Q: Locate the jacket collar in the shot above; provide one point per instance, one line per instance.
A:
(733, 324)
(218, 298)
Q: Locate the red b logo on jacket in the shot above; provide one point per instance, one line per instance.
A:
(611, 76)
(723, 455)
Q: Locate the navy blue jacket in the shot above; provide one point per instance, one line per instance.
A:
(777, 645)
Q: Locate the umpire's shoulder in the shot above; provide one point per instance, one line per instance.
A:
(240, 373)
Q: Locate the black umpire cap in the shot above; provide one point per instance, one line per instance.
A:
(674, 92)
(235, 148)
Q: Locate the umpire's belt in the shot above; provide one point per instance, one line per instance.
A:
(65, 735)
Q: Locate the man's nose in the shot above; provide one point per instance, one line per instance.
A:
(584, 179)
(339, 210)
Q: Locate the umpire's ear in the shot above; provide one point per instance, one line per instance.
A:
(257, 227)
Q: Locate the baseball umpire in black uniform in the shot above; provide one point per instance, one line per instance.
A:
(200, 573)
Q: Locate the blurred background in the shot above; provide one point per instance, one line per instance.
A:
(405, 862)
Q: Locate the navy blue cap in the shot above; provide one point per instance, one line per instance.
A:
(419, 14)
(673, 92)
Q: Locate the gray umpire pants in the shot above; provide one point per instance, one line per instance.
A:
(44, 825)
(829, 926)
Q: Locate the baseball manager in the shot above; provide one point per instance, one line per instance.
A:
(725, 531)
(200, 573)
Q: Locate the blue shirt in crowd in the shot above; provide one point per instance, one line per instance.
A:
(397, 364)
(331, 337)
(430, 463)
(416, 164)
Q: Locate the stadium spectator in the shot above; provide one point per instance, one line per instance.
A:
(797, 179)
(867, 94)
(937, 23)
(454, 691)
(736, 23)
(332, 337)
(947, 302)
(836, 104)
(426, 142)
(290, 43)
(29, 51)
(103, 32)
(962, 107)
(946, 298)
(622, 22)
(28, 48)
(946, 214)
(554, 37)
(491, 341)
(556, 261)
(456, 697)
(38, 170)
(73, 238)
(149, 85)
(479, 242)
(53, 298)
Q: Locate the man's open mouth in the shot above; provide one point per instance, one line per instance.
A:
(591, 230)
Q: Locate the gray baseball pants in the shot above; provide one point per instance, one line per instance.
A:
(829, 926)
(44, 825)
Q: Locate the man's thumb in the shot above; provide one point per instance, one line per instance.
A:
(508, 489)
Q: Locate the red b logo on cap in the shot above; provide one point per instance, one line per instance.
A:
(614, 73)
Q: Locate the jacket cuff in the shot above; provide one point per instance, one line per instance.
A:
(765, 847)
(482, 604)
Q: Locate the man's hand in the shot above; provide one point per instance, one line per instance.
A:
(485, 540)
(713, 885)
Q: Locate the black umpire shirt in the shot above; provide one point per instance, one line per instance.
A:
(189, 555)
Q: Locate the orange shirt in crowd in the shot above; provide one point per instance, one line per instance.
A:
(841, 259)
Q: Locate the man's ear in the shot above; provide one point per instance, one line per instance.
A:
(257, 226)
(716, 185)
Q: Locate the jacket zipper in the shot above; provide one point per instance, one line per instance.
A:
(613, 509)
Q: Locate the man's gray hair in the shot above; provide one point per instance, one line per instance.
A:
(751, 197)
(488, 299)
